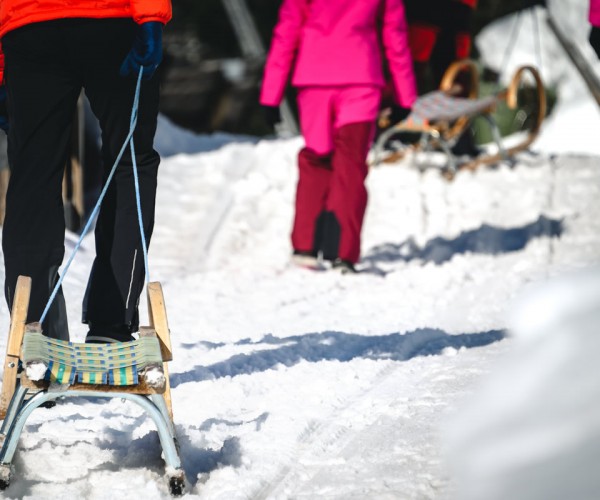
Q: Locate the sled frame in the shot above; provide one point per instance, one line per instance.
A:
(20, 395)
(444, 134)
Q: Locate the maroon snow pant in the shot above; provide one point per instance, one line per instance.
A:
(338, 125)
(331, 197)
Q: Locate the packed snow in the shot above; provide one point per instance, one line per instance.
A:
(461, 359)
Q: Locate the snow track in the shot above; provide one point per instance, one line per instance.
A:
(367, 445)
(321, 442)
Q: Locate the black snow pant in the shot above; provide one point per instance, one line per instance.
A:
(47, 65)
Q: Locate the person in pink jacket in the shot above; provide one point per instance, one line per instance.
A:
(594, 18)
(335, 50)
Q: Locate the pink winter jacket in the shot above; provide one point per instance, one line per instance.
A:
(595, 12)
(337, 42)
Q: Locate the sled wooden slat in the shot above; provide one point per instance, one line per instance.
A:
(140, 388)
(159, 327)
(157, 313)
(18, 317)
(450, 84)
(158, 319)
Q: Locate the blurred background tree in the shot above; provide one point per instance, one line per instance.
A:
(208, 85)
(208, 20)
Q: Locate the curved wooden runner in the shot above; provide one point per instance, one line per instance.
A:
(512, 100)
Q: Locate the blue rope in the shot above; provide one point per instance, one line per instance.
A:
(128, 140)
(139, 211)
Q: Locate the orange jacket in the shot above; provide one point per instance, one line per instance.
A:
(17, 13)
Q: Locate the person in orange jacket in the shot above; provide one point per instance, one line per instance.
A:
(52, 50)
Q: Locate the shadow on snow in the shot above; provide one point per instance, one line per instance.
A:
(485, 240)
(335, 346)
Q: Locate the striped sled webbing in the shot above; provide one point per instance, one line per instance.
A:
(439, 106)
(116, 364)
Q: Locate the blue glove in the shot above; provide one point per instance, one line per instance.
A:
(3, 110)
(146, 51)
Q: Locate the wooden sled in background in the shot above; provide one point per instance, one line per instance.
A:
(441, 118)
(39, 370)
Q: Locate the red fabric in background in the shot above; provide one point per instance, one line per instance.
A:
(422, 38)
(463, 45)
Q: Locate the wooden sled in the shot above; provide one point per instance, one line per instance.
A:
(24, 388)
(440, 119)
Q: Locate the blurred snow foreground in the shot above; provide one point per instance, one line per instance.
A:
(533, 430)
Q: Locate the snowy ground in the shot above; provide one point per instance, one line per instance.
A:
(295, 384)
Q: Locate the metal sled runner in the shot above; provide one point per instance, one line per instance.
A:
(39, 370)
(440, 119)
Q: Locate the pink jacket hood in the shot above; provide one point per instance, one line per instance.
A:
(339, 42)
(595, 12)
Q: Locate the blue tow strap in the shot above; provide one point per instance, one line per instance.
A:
(128, 141)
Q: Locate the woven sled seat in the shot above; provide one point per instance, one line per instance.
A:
(440, 106)
(116, 364)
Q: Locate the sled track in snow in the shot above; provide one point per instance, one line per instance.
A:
(215, 220)
(321, 439)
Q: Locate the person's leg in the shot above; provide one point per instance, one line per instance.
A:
(117, 277)
(314, 168)
(42, 95)
(357, 109)
(311, 194)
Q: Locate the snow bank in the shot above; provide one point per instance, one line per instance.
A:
(533, 430)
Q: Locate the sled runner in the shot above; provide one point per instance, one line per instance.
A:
(38, 370)
(440, 118)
